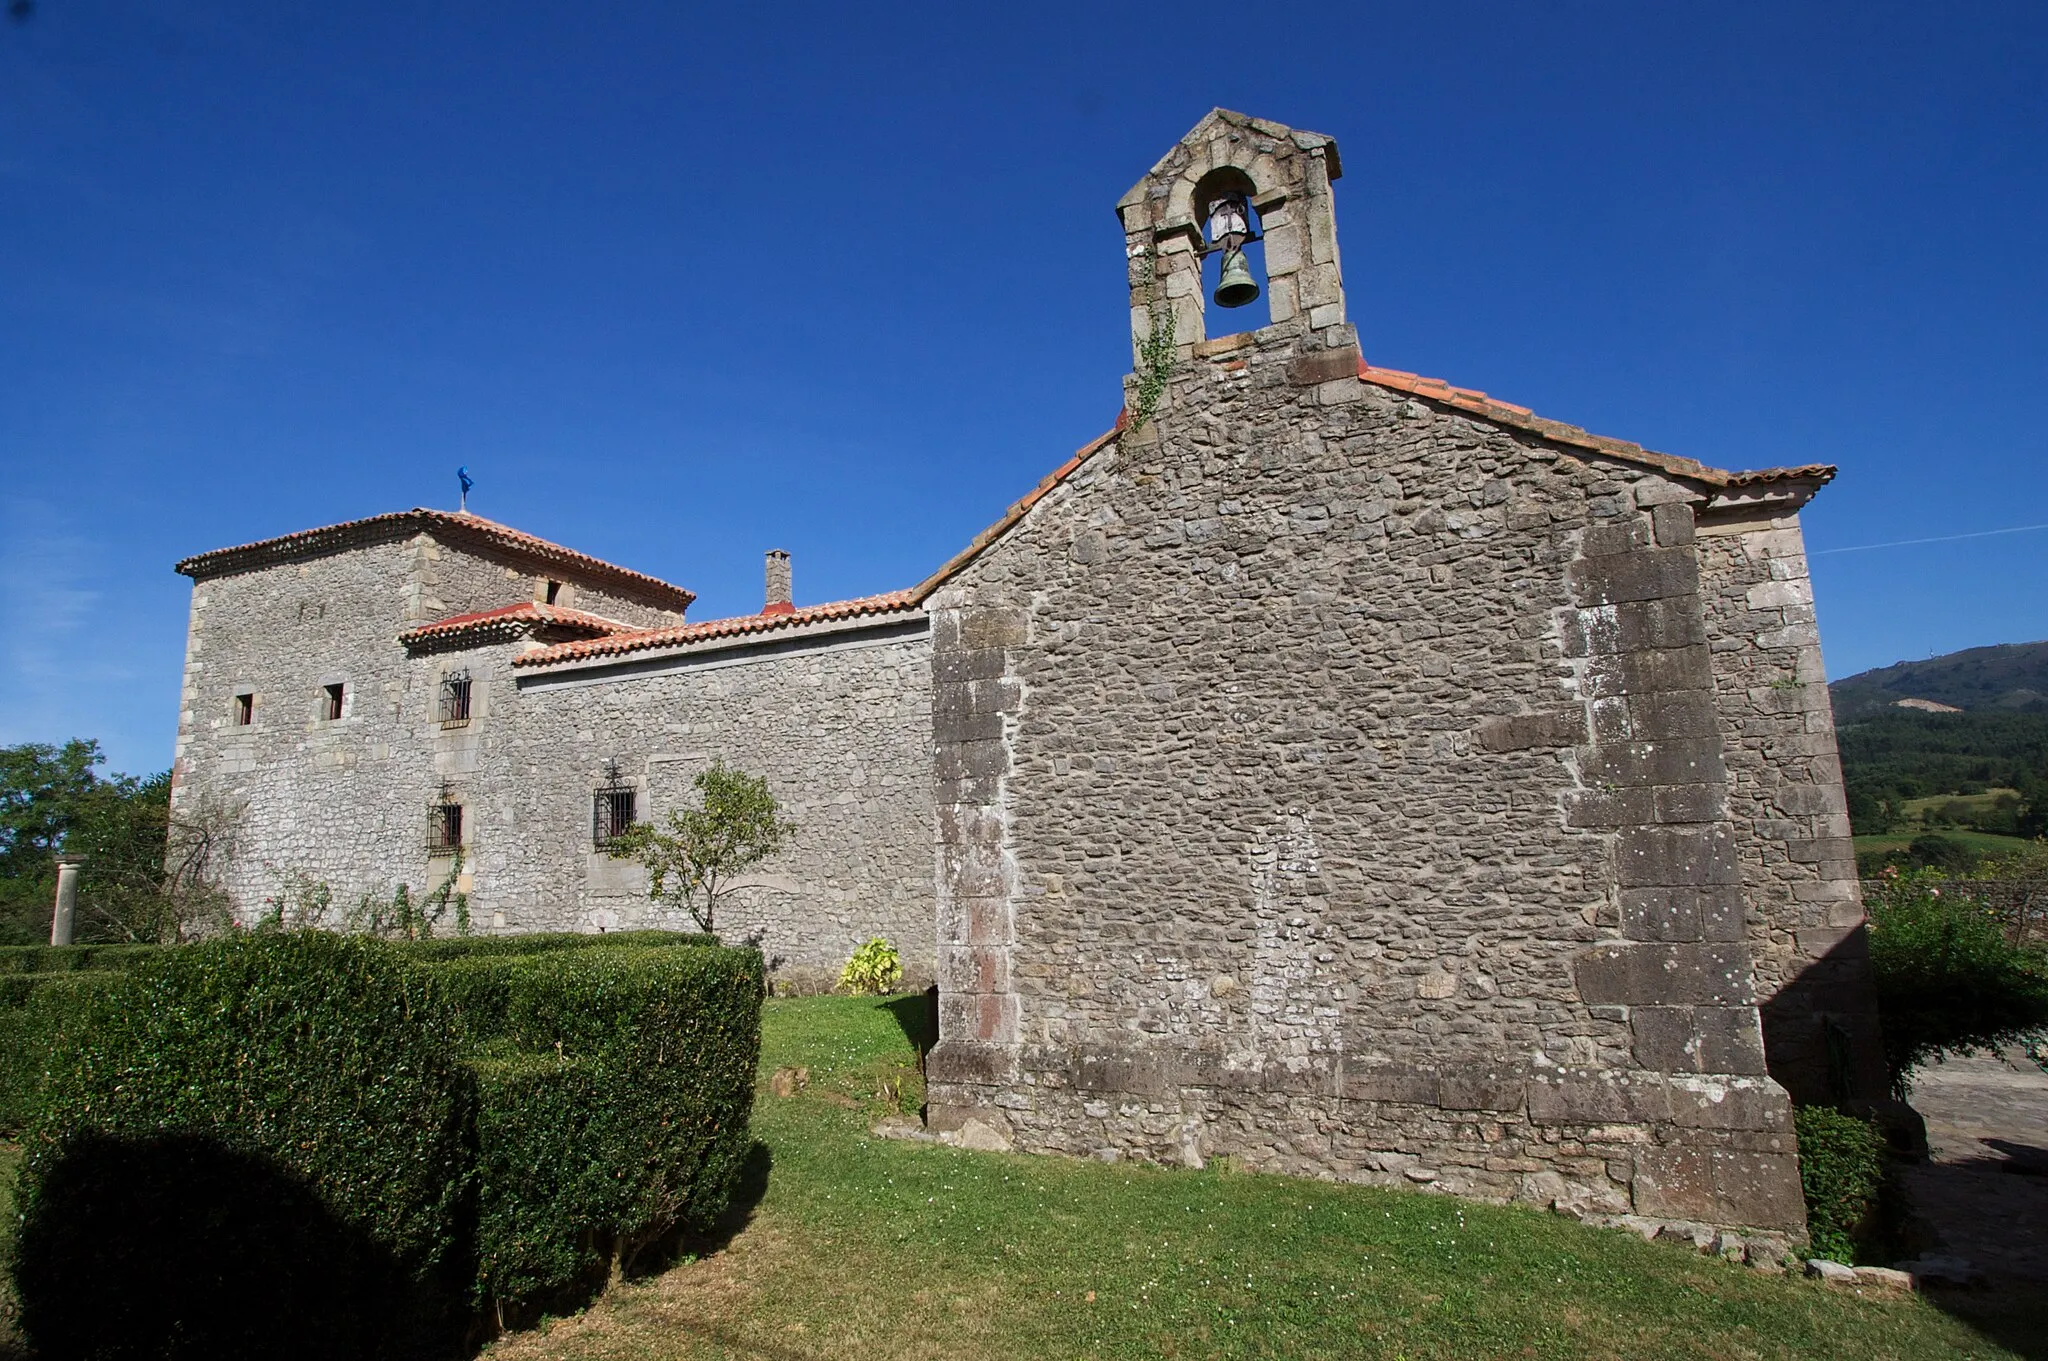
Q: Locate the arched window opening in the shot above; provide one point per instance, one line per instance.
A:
(1233, 258)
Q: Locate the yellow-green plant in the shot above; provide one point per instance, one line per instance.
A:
(874, 968)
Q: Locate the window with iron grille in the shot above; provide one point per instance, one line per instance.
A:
(613, 811)
(444, 827)
(455, 699)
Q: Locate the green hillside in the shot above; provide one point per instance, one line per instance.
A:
(2004, 676)
(1947, 788)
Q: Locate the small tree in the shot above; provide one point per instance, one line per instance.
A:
(704, 850)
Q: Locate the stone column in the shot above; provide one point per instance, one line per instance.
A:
(67, 902)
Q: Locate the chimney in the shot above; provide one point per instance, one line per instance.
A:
(779, 601)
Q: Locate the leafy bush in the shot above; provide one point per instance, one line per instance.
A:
(1841, 1170)
(42, 989)
(874, 968)
(613, 1089)
(1948, 980)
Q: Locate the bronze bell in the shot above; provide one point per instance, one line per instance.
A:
(1235, 288)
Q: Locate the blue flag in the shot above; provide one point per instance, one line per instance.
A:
(462, 475)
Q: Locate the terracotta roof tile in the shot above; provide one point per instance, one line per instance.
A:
(455, 525)
(512, 619)
(643, 640)
(1435, 390)
(1522, 418)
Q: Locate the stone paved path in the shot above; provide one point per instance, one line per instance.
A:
(1986, 1189)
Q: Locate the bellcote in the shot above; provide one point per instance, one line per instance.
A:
(1284, 177)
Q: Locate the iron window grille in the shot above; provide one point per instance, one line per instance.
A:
(614, 808)
(455, 699)
(444, 827)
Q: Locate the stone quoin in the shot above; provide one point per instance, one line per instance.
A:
(1331, 768)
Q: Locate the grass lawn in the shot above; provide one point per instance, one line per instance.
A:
(861, 1247)
(1984, 843)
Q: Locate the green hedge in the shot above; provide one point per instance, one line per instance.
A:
(441, 948)
(305, 1068)
(41, 987)
(27, 1036)
(41, 959)
(38, 1011)
(613, 1089)
(1842, 1171)
(330, 1139)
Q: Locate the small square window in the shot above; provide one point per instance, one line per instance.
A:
(554, 592)
(613, 811)
(330, 701)
(455, 699)
(444, 828)
(245, 709)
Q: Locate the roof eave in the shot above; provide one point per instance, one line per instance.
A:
(537, 662)
(448, 525)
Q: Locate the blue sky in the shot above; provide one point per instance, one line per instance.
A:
(681, 284)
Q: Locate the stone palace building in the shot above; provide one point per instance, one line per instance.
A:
(1329, 767)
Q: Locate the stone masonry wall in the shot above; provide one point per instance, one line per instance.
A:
(841, 729)
(343, 801)
(456, 580)
(1331, 779)
(1785, 784)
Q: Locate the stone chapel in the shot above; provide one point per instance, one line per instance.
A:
(1328, 767)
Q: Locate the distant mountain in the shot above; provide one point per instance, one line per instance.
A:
(2010, 676)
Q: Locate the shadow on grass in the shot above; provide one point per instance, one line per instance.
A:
(2012, 1314)
(918, 1014)
(176, 1247)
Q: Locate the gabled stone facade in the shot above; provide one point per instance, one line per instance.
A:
(1361, 778)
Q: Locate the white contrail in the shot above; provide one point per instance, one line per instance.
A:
(1940, 538)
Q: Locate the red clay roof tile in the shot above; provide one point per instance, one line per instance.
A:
(1435, 390)
(456, 525)
(1522, 418)
(513, 618)
(643, 640)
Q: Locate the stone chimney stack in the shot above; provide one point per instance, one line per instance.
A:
(779, 600)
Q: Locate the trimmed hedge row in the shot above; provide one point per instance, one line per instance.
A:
(42, 959)
(302, 1067)
(501, 1128)
(42, 989)
(38, 1011)
(30, 1033)
(613, 1089)
(438, 949)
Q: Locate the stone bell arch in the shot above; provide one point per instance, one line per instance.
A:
(1284, 177)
